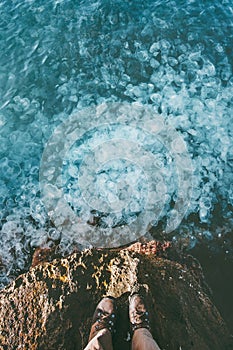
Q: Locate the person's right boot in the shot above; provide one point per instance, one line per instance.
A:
(138, 313)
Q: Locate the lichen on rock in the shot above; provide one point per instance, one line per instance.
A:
(51, 306)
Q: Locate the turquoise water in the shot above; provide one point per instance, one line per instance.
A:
(58, 57)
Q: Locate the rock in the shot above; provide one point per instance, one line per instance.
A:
(51, 306)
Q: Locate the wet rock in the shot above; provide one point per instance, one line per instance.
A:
(51, 306)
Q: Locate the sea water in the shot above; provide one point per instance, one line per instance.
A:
(62, 58)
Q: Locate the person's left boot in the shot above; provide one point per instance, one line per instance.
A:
(104, 317)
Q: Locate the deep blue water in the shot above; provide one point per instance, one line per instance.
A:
(59, 57)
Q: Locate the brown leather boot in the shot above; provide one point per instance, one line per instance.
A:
(138, 314)
(104, 317)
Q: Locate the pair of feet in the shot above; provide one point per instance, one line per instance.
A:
(105, 315)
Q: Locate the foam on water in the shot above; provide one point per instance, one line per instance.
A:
(59, 57)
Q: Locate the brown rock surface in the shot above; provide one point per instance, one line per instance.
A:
(51, 306)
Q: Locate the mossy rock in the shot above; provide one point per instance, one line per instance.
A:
(51, 306)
